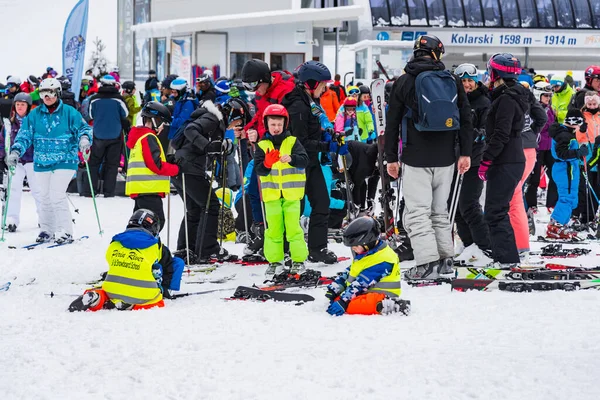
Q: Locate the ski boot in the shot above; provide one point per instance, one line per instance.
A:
(298, 268)
(85, 302)
(241, 237)
(391, 305)
(559, 231)
(323, 255)
(63, 237)
(183, 253)
(431, 271)
(273, 270)
(221, 256)
(44, 237)
(499, 265)
(11, 228)
(257, 243)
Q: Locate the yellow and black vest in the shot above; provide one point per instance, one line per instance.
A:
(388, 285)
(140, 179)
(284, 180)
(129, 277)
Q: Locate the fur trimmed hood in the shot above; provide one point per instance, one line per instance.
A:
(212, 108)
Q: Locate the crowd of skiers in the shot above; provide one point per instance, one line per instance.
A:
(282, 139)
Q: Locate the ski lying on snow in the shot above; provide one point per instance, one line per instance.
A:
(50, 244)
(216, 280)
(249, 293)
(251, 263)
(523, 286)
(5, 286)
(527, 274)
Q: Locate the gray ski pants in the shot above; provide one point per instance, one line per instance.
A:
(426, 192)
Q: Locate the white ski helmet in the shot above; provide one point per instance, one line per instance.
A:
(14, 80)
(108, 80)
(51, 84)
(541, 88)
(179, 84)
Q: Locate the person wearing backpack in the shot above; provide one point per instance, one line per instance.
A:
(431, 107)
(503, 160)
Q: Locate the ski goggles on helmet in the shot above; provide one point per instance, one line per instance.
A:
(574, 121)
(252, 86)
(466, 71)
(353, 91)
(47, 93)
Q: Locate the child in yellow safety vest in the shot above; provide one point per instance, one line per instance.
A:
(280, 161)
(141, 270)
(148, 171)
(371, 285)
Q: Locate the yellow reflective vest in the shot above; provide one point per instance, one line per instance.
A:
(129, 278)
(284, 180)
(388, 285)
(140, 179)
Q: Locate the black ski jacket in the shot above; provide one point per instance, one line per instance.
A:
(535, 119)
(505, 123)
(424, 149)
(364, 158)
(480, 107)
(304, 125)
(578, 99)
(207, 125)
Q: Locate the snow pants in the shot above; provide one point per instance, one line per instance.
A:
(517, 213)
(318, 195)
(107, 304)
(470, 226)
(54, 213)
(544, 158)
(152, 202)
(283, 217)
(425, 218)
(566, 176)
(501, 184)
(587, 208)
(14, 204)
(105, 152)
(197, 191)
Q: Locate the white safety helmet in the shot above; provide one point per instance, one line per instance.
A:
(541, 88)
(108, 80)
(50, 84)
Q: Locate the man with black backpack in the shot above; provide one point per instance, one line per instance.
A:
(431, 107)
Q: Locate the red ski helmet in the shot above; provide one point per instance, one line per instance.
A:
(591, 72)
(276, 110)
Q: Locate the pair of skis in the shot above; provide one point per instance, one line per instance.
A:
(48, 245)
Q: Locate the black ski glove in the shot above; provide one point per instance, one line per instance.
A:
(583, 127)
(583, 151)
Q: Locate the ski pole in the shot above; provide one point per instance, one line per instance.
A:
(11, 172)
(243, 194)
(455, 194)
(204, 220)
(262, 204)
(87, 168)
(185, 221)
(73, 205)
(169, 213)
(222, 211)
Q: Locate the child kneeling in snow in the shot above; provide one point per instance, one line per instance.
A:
(141, 270)
(371, 285)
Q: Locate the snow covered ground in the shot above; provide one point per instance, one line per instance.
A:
(471, 345)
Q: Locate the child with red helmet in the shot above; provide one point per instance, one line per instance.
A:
(279, 161)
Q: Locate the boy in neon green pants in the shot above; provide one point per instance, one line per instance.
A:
(280, 161)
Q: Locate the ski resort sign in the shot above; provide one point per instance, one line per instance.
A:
(514, 38)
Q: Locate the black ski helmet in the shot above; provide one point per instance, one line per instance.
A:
(363, 231)
(429, 45)
(144, 219)
(166, 83)
(154, 109)
(387, 90)
(255, 72)
(364, 89)
(128, 86)
(235, 109)
(311, 73)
